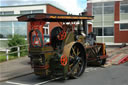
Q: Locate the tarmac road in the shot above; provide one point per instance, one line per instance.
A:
(114, 75)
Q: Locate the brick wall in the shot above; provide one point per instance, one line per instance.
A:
(119, 36)
(53, 10)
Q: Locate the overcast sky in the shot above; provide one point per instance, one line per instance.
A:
(71, 6)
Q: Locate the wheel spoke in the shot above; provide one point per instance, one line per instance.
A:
(71, 65)
(71, 57)
(78, 52)
(74, 51)
(80, 63)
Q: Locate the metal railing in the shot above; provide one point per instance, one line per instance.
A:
(18, 51)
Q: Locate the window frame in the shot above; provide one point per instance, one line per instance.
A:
(25, 11)
(31, 11)
(120, 10)
(97, 28)
(44, 29)
(104, 31)
(37, 10)
(3, 12)
(122, 29)
(11, 22)
(13, 32)
(102, 7)
(106, 28)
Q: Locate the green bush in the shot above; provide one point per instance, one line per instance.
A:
(16, 41)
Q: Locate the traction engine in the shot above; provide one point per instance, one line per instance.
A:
(70, 48)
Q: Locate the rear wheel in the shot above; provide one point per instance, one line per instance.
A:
(77, 60)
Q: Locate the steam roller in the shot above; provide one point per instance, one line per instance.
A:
(71, 47)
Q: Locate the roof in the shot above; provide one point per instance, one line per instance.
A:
(53, 17)
(33, 5)
(97, 1)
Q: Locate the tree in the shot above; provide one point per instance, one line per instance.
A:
(15, 41)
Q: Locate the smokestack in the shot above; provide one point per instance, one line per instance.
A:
(85, 24)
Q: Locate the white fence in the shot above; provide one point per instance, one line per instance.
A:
(18, 51)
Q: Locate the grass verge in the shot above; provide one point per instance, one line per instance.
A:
(11, 56)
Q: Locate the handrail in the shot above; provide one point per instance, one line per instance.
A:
(17, 51)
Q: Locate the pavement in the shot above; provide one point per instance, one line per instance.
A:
(20, 67)
(15, 68)
(117, 55)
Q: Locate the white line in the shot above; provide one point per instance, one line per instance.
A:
(14, 83)
(47, 81)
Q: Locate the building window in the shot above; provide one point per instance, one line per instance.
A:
(37, 11)
(97, 4)
(97, 10)
(108, 31)
(9, 13)
(46, 38)
(109, 4)
(9, 28)
(104, 18)
(46, 33)
(31, 11)
(20, 28)
(106, 8)
(6, 12)
(124, 26)
(5, 29)
(124, 8)
(97, 31)
(1, 13)
(25, 12)
(46, 29)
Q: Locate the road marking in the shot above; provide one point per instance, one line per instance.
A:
(48, 81)
(14, 83)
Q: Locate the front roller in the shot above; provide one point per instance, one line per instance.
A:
(76, 59)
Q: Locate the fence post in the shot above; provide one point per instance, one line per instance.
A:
(18, 48)
(7, 58)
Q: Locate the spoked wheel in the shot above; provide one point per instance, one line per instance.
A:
(77, 60)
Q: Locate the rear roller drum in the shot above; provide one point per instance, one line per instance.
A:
(101, 61)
